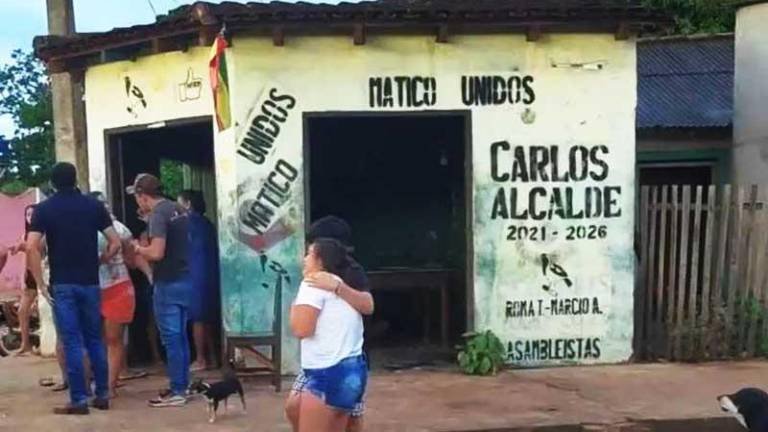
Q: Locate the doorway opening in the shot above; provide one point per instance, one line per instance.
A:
(401, 180)
(180, 154)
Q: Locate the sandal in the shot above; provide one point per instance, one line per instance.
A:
(46, 382)
(60, 387)
(132, 375)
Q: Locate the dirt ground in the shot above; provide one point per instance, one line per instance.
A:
(597, 398)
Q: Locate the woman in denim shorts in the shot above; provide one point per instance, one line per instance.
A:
(331, 333)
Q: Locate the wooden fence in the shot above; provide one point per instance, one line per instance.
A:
(702, 288)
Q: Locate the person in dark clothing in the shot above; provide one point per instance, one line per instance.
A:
(354, 289)
(204, 271)
(167, 252)
(71, 222)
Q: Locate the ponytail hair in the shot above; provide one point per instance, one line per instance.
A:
(332, 254)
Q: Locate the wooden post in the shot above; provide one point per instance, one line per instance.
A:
(754, 304)
(651, 254)
(682, 272)
(69, 126)
(673, 271)
(733, 273)
(661, 279)
(706, 258)
(693, 293)
(720, 270)
(744, 266)
(761, 253)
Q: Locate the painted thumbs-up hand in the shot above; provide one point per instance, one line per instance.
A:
(191, 88)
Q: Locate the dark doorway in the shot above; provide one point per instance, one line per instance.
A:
(187, 145)
(180, 153)
(679, 174)
(400, 180)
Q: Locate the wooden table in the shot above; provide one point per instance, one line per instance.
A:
(414, 279)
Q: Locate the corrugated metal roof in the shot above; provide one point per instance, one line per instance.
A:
(463, 15)
(685, 82)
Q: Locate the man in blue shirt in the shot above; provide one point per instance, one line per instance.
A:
(71, 222)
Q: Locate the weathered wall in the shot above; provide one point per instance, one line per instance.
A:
(553, 168)
(573, 102)
(11, 232)
(750, 129)
(140, 93)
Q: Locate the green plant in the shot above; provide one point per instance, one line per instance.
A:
(171, 177)
(483, 354)
(14, 187)
(25, 97)
(698, 16)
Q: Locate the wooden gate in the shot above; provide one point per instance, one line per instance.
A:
(702, 289)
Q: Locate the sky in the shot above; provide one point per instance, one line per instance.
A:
(24, 19)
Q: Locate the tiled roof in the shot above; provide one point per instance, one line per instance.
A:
(685, 82)
(461, 15)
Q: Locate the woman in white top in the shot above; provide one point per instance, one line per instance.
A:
(331, 333)
(118, 300)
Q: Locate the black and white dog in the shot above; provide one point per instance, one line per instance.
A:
(217, 392)
(749, 406)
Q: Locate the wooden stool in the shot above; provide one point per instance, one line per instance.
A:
(271, 339)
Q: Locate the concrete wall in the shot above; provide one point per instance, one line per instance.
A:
(553, 171)
(750, 156)
(142, 93)
(11, 232)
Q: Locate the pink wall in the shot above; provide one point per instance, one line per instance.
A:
(11, 231)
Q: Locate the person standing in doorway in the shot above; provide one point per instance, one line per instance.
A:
(167, 252)
(204, 272)
(70, 222)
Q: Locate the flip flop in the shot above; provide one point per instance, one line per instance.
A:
(134, 375)
(197, 368)
(46, 382)
(60, 387)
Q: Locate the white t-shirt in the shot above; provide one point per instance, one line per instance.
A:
(115, 271)
(338, 333)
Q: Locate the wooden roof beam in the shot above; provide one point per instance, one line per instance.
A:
(442, 33)
(358, 34)
(623, 31)
(533, 33)
(278, 36)
(207, 35)
(161, 45)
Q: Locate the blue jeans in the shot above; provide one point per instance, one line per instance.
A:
(171, 316)
(77, 311)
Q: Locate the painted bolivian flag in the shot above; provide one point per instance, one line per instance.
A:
(217, 67)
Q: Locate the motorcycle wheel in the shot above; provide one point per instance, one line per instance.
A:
(8, 341)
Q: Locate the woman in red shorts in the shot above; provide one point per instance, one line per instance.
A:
(118, 301)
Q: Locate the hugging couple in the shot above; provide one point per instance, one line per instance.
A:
(327, 315)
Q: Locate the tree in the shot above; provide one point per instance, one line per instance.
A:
(699, 16)
(25, 96)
